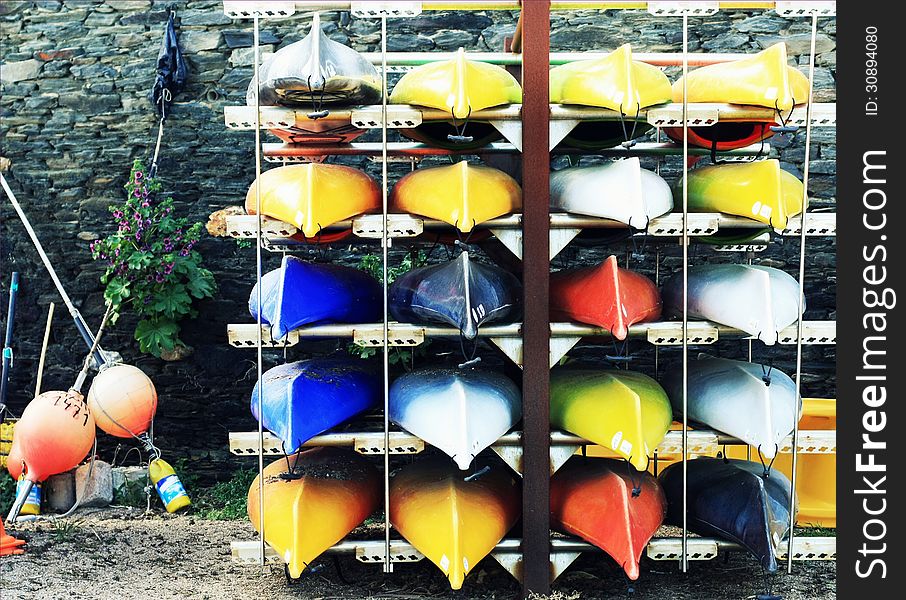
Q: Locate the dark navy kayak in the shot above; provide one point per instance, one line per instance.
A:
(732, 500)
(461, 293)
(305, 398)
(303, 293)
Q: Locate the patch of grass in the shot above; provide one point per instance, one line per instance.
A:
(225, 500)
(816, 531)
(7, 491)
(64, 530)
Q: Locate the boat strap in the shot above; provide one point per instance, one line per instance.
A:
(783, 133)
(628, 136)
(317, 107)
(460, 136)
(767, 468)
(636, 482)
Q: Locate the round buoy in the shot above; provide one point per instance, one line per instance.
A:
(55, 433)
(14, 460)
(123, 401)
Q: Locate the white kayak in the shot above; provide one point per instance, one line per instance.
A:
(621, 190)
(758, 300)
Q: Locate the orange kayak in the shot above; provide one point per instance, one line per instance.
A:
(605, 295)
(597, 500)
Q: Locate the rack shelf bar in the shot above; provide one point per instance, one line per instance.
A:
(402, 116)
(276, 152)
(663, 333)
(659, 548)
(699, 442)
(405, 225)
(247, 9)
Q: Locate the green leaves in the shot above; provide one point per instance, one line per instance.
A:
(150, 262)
(155, 335)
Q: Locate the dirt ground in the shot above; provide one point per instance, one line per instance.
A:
(120, 554)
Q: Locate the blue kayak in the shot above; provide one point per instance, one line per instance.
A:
(459, 411)
(303, 293)
(305, 398)
(732, 500)
(461, 293)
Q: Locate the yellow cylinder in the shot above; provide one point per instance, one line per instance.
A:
(32, 505)
(169, 487)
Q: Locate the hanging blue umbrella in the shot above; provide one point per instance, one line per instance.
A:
(171, 79)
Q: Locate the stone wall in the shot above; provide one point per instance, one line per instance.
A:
(75, 78)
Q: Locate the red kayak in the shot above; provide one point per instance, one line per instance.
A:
(605, 295)
(595, 499)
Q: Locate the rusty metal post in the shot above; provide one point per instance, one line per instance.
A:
(536, 272)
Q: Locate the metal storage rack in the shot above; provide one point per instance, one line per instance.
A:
(535, 236)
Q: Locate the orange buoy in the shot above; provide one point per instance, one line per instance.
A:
(14, 461)
(55, 433)
(123, 401)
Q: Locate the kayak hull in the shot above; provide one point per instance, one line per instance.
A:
(620, 190)
(453, 522)
(749, 401)
(459, 411)
(461, 194)
(759, 190)
(731, 500)
(329, 492)
(345, 295)
(764, 79)
(460, 87)
(461, 293)
(616, 82)
(624, 411)
(758, 300)
(313, 196)
(604, 295)
(305, 398)
(594, 499)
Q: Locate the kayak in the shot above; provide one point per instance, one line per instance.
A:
(459, 411)
(764, 79)
(327, 493)
(758, 190)
(758, 300)
(733, 501)
(816, 478)
(318, 73)
(749, 401)
(308, 397)
(314, 196)
(604, 295)
(461, 293)
(453, 519)
(345, 295)
(459, 87)
(625, 411)
(615, 81)
(461, 194)
(620, 190)
(316, 70)
(599, 500)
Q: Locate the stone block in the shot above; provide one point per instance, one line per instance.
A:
(21, 70)
(129, 485)
(59, 492)
(197, 41)
(98, 491)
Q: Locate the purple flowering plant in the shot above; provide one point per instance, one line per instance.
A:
(151, 264)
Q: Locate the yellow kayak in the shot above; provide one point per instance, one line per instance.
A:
(764, 79)
(614, 81)
(314, 195)
(459, 87)
(626, 412)
(816, 477)
(328, 494)
(461, 194)
(454, 522)
(758, 190)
